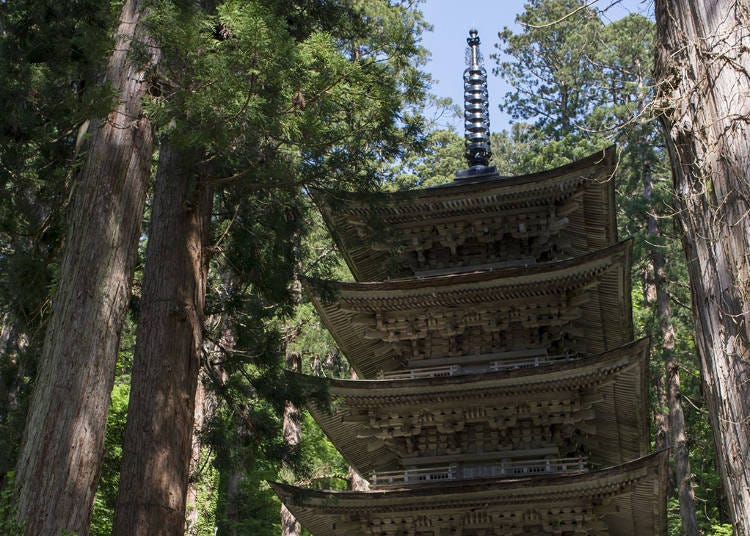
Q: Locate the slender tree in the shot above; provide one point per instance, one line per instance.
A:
(702, 85)
(59, 464)
(292, 437)
(670, 379)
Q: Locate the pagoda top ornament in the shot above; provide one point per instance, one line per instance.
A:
(476, 114)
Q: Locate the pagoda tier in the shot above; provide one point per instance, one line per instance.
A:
(499, 221)
(593, 407)
(625, 500)
(573, 307)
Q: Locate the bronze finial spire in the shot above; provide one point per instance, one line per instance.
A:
(476, 112)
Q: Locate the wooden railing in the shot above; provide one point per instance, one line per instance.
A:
(508, 468)
(457, 370)
(431, 372)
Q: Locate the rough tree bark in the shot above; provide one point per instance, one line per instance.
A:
(291, 430)
(661, 414)
(158, 435)
(60, 460)
(703, 88)
(677, 436)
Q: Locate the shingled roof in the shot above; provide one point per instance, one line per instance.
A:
(584, 302)
(554, 214)
(607, 389)
(624, 500)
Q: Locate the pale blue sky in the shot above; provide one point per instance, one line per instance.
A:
(452, 19)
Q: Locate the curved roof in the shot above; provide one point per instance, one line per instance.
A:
(624, 500)
(557, 213)
(614, 385)
(385, 326)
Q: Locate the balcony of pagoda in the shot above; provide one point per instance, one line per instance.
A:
(505, 221)
(573, 307)
(505, 468)
(624, 500)
(592, 406)
(480, 363)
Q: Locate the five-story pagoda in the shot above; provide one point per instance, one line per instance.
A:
(501, 390)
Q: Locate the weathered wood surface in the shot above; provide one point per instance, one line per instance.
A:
(579, 306)
(703, 77)
(600, 401)
(158, 435)
(623, 500)
(58, 468)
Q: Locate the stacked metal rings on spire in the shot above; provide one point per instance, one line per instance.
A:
(476, 106)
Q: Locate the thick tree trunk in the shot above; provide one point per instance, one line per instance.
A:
(677, 433)
(60, 461)
(703, 85)
(157, 446)
(291, 430)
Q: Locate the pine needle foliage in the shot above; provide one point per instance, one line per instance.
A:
(273, 98)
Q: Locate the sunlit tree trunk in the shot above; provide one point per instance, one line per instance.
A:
(60, 460)
(158, 436)
(661, 413)
(703, 83)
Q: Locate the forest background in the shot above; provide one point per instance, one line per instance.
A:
(251, 103)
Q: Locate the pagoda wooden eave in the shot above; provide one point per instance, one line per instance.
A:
(624, 500)
(369, 320)
(614, 385)
(373, 230)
